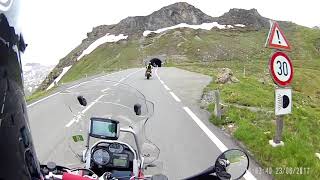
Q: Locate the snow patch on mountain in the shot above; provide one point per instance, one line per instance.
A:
(205, 26)
(107, 38)
(64, 71)
(240, 25)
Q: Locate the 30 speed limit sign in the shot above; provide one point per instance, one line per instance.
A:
(281, 69)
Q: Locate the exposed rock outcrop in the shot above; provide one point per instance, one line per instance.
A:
(225, 76)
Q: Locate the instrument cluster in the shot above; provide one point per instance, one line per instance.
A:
(112, 155)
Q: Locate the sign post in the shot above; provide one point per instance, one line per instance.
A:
(277, 140)
(281, 71)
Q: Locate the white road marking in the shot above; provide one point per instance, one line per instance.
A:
(97, 78)
(95, 101)
(85, 110)
(156, 72)
(214, 138)
(175, 97)
(166, 87)
(103, 90)
(132, 73)
(71, 122)
(249, 176)
(77, 86)
(211, 136)
(43, 99)
(126, 77)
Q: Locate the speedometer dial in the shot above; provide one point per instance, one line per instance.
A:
(101, 157)
(115, 148)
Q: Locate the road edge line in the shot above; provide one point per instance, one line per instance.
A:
(166, 87)
(213, 138)
(40, 100)
(175, 97)
(95, 101)
(83, 111)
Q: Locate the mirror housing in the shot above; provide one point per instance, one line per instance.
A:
(137, 109)
(82, 101)
(232, 164)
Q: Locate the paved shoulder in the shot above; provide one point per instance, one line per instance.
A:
(188, 86)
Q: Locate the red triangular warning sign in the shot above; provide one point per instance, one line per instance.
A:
(276, 39)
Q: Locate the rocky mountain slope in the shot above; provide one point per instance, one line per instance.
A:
(167, 16)
(136, 46)
(246, 17)
(33, 75)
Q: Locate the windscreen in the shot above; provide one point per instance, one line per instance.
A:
(109, 100)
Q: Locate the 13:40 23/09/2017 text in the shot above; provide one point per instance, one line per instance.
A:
(281, 170)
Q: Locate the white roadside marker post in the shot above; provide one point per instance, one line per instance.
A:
(217, 107)
(281, 70)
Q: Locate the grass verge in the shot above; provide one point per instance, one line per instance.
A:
(38, 95)
(255, 128)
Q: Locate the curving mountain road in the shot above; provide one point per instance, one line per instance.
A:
(188, 142)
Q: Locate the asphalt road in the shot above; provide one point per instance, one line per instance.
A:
(188, 142)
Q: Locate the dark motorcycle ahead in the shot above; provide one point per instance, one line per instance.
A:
(148, 74)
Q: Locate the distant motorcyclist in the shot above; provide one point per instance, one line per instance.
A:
(149, 69)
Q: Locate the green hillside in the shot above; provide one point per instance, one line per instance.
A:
(199, 46)
(205, 52)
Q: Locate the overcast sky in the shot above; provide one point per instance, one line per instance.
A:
(53, 28)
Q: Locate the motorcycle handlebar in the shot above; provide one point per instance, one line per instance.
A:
(69, 176)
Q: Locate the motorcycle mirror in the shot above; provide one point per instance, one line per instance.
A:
(82, 100)
(232, 164)
(137, 109)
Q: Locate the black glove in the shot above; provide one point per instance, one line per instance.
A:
(222, 174)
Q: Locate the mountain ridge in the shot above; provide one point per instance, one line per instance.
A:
(170, 15)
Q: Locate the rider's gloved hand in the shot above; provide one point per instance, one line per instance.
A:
(222, 173)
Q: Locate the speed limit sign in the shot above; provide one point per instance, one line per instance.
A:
(281, 69)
